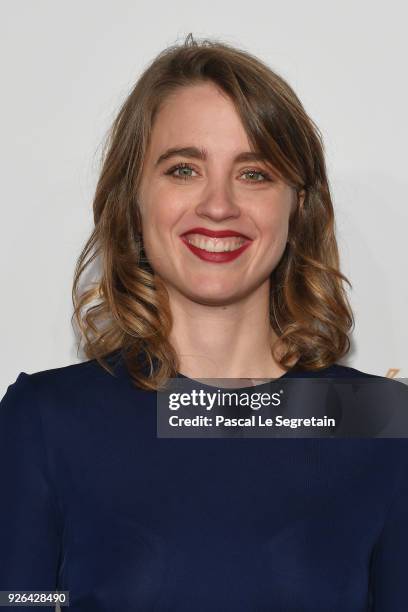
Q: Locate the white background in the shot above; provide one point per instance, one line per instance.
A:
(67, 67)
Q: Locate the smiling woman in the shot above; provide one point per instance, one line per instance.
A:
(214, 230)
(212, 138)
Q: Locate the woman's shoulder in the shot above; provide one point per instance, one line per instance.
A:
(88, 370)
(336, 370)
(390, 388)
(381, 390)
(394, 389)
(60, 385)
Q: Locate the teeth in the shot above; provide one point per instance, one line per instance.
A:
(215, 245)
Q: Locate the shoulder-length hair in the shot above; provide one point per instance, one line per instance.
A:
(127, 308)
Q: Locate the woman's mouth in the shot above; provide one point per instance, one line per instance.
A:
(216, 250)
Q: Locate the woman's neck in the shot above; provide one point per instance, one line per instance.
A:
(224, 341)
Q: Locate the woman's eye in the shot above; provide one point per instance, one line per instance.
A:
(184, 174)
(264, 176)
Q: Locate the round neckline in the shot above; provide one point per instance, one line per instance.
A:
(287, 374)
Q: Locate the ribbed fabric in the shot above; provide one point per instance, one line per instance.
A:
(94, 503)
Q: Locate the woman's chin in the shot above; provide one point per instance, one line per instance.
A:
(213, 297)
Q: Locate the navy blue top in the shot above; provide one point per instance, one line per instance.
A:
(94, 503)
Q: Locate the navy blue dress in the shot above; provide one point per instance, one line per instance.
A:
(94, 503)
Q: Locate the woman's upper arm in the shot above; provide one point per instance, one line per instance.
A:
(30, 525)
(389, 573)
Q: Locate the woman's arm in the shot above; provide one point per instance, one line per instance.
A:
(389, 575)
(30, 525)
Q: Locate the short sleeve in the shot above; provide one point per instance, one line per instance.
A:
(389, 576)
(30, 524)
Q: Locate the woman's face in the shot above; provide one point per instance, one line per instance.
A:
(182, 191)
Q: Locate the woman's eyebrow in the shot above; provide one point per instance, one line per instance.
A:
(202, 154)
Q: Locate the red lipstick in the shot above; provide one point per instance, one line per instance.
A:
(218, 257)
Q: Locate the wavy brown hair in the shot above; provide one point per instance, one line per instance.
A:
(127, 308)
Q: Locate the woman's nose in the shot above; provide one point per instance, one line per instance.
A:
(217, 201)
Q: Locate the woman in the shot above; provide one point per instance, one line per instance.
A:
(215, 231)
